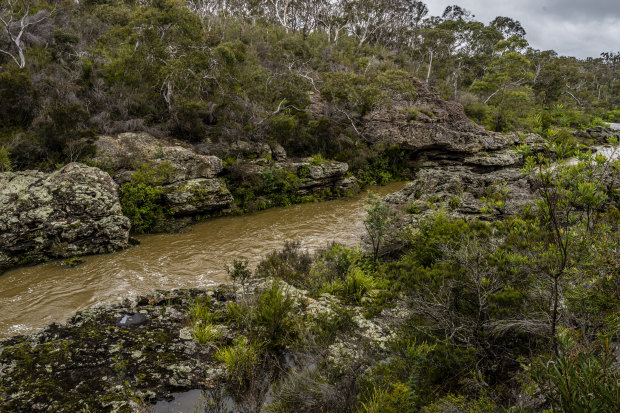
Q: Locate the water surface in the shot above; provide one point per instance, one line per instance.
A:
(32, 297)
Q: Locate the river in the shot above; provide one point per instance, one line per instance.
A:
(32, 297)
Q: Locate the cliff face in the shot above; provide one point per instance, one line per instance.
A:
(459, 165)
(71, 212)
(428, 124)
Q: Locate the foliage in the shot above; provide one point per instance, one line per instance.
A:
(241, 360)
(5, 160)
(274, 317)
(379, 223)
(206, 333)
(355, 285)
(142, 198)
(239, 272)
(290, 264)
(579, 379)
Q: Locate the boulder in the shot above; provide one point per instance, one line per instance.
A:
(197, 196)
(71, 212)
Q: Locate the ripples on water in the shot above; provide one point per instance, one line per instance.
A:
(32, 297)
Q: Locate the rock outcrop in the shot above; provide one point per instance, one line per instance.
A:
(598, 135)
(312, 177)
(428, 123)
(190, 182)
(108, 357)
(460, 166)
(71, 212)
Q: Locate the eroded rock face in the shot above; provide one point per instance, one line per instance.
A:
(599, 134)
(190, 184)
(123, 153)
(462, 167)
(71, 212)
(197, 196)
(429, 123)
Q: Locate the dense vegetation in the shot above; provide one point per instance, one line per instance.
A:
(218, 72)
(518, 314)
(521, 312)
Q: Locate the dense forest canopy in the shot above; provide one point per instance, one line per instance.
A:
(220, 71)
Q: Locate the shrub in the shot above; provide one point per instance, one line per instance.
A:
(290, 264)
(66, 133)
(394, 399)
(200, 312)
(5, 160)
(238, 313)
(18, 97)
(206, 333)
(379, 223)
(142, 199)
(275, 318)
(239, 272)
(578, 380)
(241, 360)
(317, 160)
(356, 285)
(414, 208)
(142, 204)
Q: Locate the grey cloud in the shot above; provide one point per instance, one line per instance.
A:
(570, 27)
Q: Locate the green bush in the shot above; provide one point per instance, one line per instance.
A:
(5, 160)
(394, 399)
(291, 264)
(206, 333)
(241, 361)
(579, 380)
(18, 97)
(275, 318)
(142, 204)
(356, 285)
(200, 312)
(142, 199)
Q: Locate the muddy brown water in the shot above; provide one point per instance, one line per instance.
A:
(32, 297)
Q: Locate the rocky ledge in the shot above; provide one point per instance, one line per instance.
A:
(598, 135)
(71, 212)
(189, 180)
(122, 357)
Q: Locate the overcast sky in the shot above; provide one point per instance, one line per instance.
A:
(582, 28)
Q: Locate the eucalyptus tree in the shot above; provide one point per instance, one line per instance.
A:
(18, 18)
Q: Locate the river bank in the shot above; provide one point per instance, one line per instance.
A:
(32, 297)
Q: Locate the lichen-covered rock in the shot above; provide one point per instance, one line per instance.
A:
(109, 358)
(189, 181)
(315, 178)
(71, 212)
(464, 191)
(197, 196)
(123, 153)
(312, 178)
(97, 363)
(427, 122)
(598, 134)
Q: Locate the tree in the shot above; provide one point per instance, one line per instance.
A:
(379, 223)
(506, 83)
(16, 19)
(572, 199)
